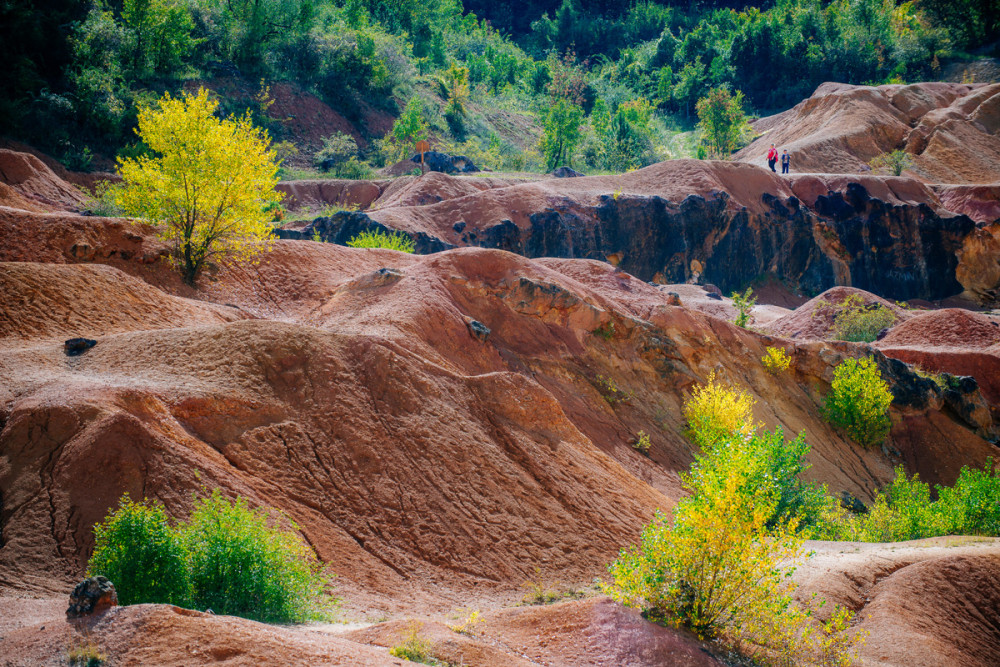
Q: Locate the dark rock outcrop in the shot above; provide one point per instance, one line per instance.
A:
(447, 164)
(896, 251)
(565, 172)
(92, 596)
(345, 225)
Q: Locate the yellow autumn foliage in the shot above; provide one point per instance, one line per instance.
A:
(715, 411)
(208, 183)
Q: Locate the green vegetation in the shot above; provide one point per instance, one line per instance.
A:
(723, 124)
(414, 647)
(610, 390)
(854, 320)
(614, 86)
(85, 653)
(776, 360)
(143, 556)
(904, 509)
(226, 557)
(714, 412)
(390, 240)
(858, 401)
(208, 183)
(641, 443)
(744, 304)
(894, 163)
(720, 567)
(606, 330)
(562, 134)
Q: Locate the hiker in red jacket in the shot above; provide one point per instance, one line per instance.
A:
(772, 157)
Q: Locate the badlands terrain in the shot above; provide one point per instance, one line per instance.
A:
(447, 425)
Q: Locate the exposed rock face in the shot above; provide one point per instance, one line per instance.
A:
(92, 596)
(898, 251)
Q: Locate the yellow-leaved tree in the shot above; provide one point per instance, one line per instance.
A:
(208, 184)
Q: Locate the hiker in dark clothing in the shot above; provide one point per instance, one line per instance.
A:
(786, 160)
(772, 157)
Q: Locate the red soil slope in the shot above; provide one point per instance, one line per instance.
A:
(949, 129)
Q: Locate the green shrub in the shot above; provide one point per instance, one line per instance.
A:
(137, 549)
(721, 567)
(857, 321)
(102, 201)
(895, 162)
(641, 443)
(414, 647)
(337, 149)
(226, 557)
(390, 240)
(744, 304)
(972, 505)
(354, 169)
(903, 510)
(243, 566)
(858, 401)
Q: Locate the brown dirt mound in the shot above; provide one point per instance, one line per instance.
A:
(592, 632)
(841, 128)
(164, 635)
(434, 187)
(979, 202)
(925, 603)
(33, 180)
(47, 301)
(317, 195)
(813, 320)
(673, 180)
(949, 327)
(952, 341)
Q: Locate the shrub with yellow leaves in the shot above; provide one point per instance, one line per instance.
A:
(776, 360)
(715, 411)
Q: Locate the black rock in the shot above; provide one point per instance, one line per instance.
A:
(74, 347)
(852, 504)
(477, 329)
(565, 172)
(90, 596)
(446, 164)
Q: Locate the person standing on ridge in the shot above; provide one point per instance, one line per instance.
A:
(772, 157)
(786, 161)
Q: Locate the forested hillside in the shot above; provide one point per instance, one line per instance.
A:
(616, 82)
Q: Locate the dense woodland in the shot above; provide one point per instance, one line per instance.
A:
(489, 79)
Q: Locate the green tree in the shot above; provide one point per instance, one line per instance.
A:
(561, 134)
(410, 127)
(208, 184)
(722, 121)
(161, 34)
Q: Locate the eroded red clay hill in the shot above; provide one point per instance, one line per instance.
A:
(949, 129)
(438, 426)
